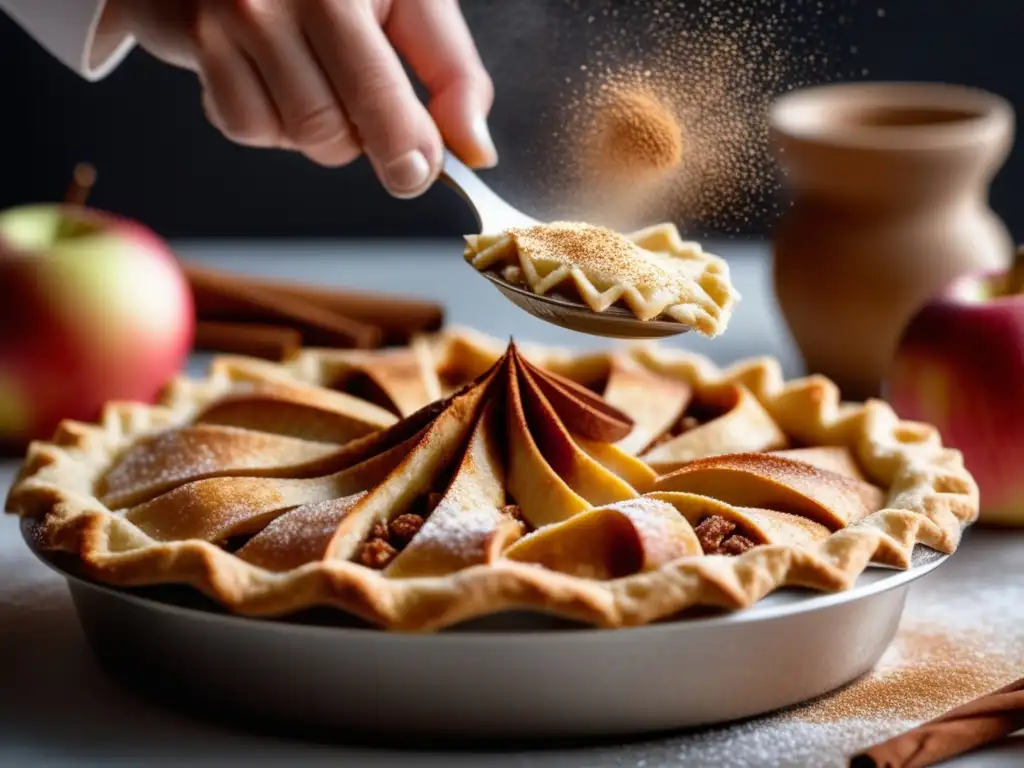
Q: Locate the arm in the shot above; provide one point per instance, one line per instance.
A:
(76, 32)
(322, 77)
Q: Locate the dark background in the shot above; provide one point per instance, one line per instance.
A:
(160, 162)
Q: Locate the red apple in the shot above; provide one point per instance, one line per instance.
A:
(960, 366)
(92, 308)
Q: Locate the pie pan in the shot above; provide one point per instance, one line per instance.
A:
(509, 676)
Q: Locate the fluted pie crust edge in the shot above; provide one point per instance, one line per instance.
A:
(930, 498)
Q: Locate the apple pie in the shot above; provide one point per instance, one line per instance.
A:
(457, 477)
(653, 272)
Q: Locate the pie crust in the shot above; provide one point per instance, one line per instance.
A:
(652, 272)
(470, 477)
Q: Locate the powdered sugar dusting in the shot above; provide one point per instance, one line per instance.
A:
(461, 534)
(213, 510)
(751, 745)
(294, 529)
(299, 536)
(653, 520)
(162, 460)
(180, 455)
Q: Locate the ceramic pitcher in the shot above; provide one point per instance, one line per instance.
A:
(889, 185)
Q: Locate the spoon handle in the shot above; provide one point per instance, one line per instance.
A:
(492, 213)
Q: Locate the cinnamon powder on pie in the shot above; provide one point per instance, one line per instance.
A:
(598, 250)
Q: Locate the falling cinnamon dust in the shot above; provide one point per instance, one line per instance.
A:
(667, 116)
(716, 118)
(635, 135)
(933, 671)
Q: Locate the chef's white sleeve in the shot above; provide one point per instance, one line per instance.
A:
(67, 29)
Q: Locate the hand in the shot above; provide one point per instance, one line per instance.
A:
(324, 77)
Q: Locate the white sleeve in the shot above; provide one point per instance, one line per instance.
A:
(67, 29)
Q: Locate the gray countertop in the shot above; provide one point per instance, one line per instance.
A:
(57, 708)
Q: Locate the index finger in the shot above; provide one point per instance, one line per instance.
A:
(433, 37)
(398, 134)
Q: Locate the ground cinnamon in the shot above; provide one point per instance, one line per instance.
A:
(635, 135)
(965, 728)
(270, 342)
(930, 670)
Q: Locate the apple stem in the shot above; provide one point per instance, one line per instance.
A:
(82, 182)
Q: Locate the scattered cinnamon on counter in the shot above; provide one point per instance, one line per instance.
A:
(929, 669)
(933, 671)
(965, 728)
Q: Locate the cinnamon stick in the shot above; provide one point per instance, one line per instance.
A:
(396, 318)
(270, 342)
(961, 730)
(222, 299)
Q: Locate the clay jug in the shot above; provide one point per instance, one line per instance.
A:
(889, 185)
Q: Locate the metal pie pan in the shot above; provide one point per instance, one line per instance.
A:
(514, 676)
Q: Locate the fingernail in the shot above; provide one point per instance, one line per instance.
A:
(482, 136)
(407, 174)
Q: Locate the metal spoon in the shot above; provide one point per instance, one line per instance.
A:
(493, 214)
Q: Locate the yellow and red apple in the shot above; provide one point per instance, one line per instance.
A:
(960, 366)
(93, 308)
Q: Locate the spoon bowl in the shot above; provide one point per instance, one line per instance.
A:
(613, 323)
(494, 214)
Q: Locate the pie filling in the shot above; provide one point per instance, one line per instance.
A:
(719, 536)
(698, 413)
(362, 385)
(387, 540)
(719, 419)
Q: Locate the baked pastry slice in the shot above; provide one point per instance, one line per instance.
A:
(522, 488)
(654, 272)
